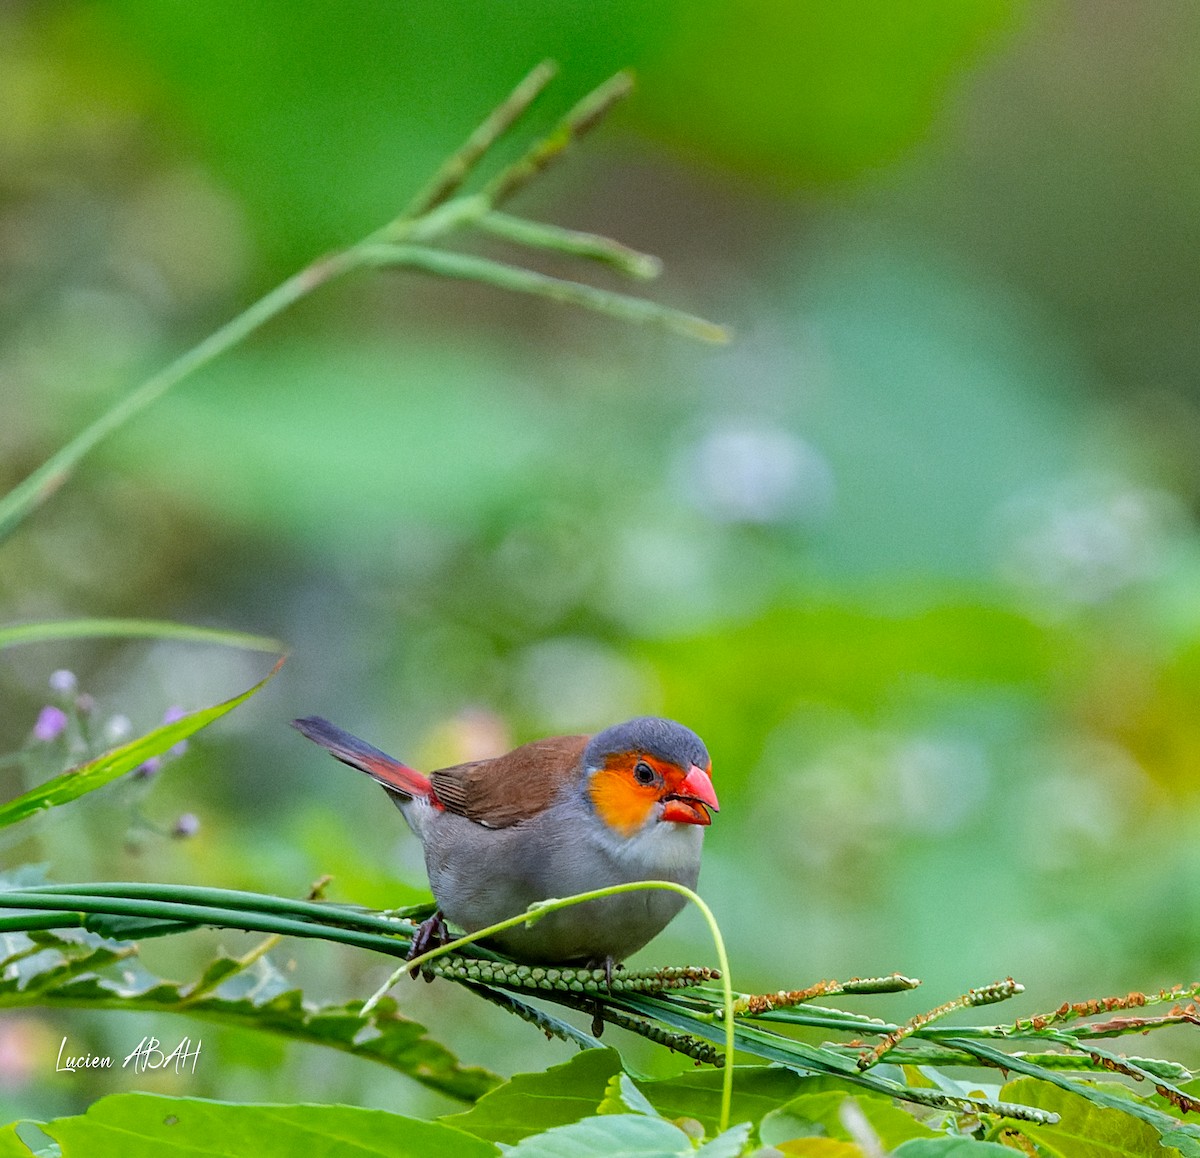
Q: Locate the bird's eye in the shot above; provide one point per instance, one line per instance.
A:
(644, 773)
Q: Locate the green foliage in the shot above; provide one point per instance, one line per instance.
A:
(819, 1099)
(773, 662)
(557, 1107)
(757, 1092)
(12, 1146)
(1088, 1127)
(621, 1135)
(1101, 1096)
(77, 782)
(781, 1109)
(530, 1103)
(146, 1125)
(46, 969)
(954, 1146)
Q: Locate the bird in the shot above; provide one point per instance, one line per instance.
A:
(558, 816)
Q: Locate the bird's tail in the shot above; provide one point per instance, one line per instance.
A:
(394, 776)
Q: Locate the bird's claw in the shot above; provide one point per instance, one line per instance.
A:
(431, 934)
(608, 965)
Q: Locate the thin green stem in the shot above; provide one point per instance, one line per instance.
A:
(29, 922)
(467, 267)
(46, 479)
(542, 909)
(13, 635)
(593, 246)
(322, 912)
(1130, 1067)
(433, 213)
(984, 995)
(579, 121)
(188, 914)
(457, 168)
(241, 964)
(1005, 1061)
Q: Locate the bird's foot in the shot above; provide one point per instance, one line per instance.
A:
(431, 934)
(608, 965)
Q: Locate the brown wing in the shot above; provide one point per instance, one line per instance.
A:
(511, 788)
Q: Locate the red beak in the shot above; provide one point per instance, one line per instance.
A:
(696, 796)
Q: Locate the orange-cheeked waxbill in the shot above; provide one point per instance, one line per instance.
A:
(554, 817)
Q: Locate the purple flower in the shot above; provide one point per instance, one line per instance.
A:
(187, 825)
(149, 768)
(170, 716)
(50, 723)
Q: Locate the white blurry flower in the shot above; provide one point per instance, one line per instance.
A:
(1087, 795)
(863, 789)
(117, 728)
(63, 682)
(755, 474)
(939, 783)
(1083, 540)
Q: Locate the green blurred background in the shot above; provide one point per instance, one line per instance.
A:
(916, 554)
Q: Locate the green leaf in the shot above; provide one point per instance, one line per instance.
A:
(1108, 1096)
(1086, 1129)
(757, 1090)
(959, 1147)
(117, 927)
(16, 634)
(531, 1103)
(13, 1146)
(76, 972)
(88, 777)
(623, 1097)
(819, 1148)
(138, 1125)
(1185, 1140)
(727, 1145)
(820, 1099)
(615, 1136)
(785, 1125)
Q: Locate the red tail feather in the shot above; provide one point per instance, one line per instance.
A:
(393, 775)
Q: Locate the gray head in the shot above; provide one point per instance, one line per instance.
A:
(648, 736)
(649, 770)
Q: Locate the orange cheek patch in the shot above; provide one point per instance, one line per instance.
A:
(620, 801)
